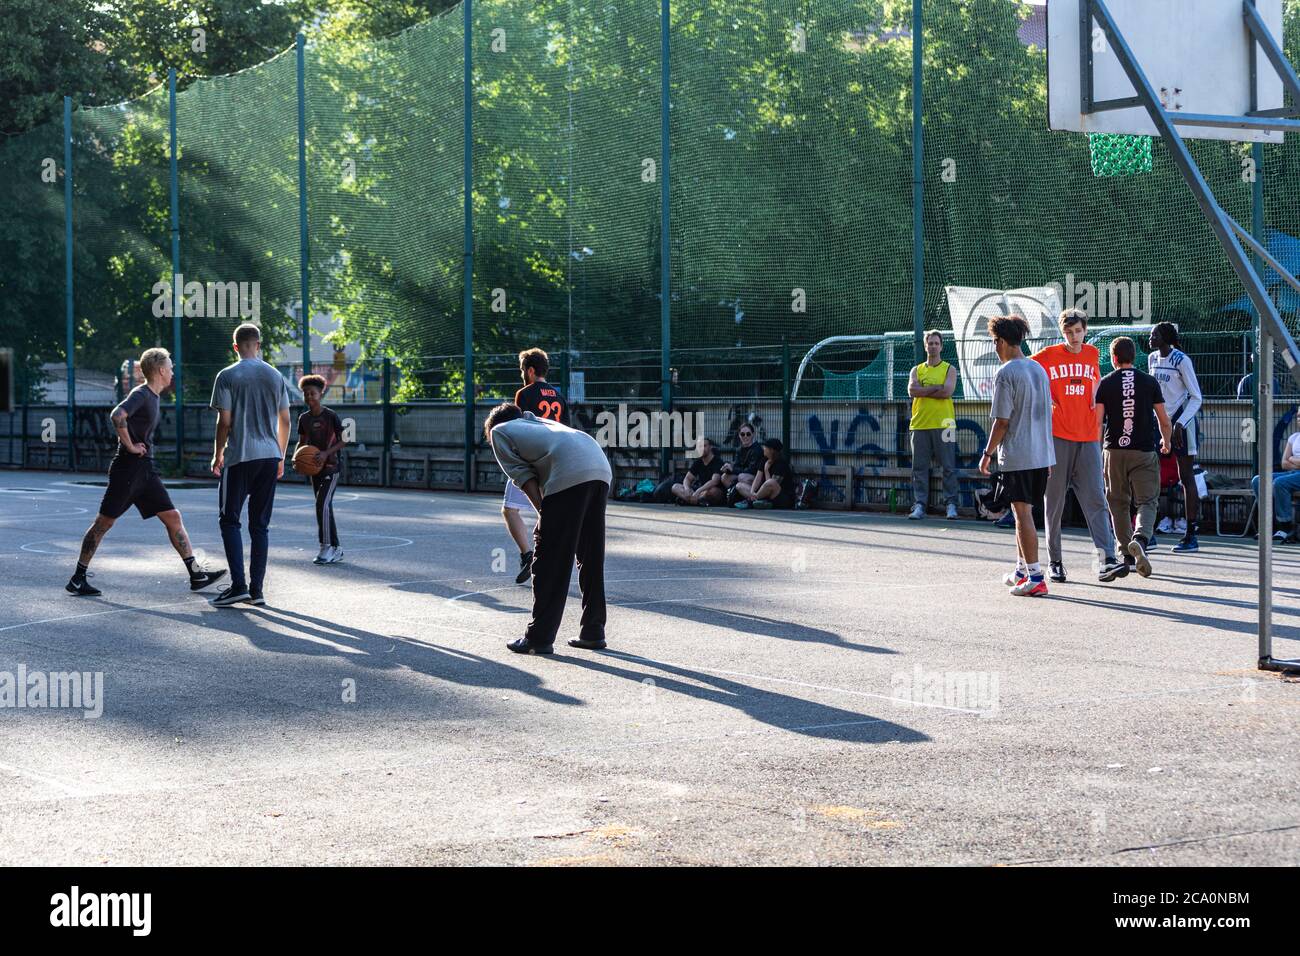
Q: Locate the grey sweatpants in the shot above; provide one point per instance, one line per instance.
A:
(1078, 466)
(1132, 477)
(928, 444)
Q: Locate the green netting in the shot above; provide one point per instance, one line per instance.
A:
(1119, 155)
(238, 178)
(121, 237)
(31, 251)
(790, 170)
(386, 196)
(790, 193)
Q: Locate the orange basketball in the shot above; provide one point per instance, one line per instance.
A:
(307, 460)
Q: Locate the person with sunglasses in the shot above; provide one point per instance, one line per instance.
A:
(740, 471)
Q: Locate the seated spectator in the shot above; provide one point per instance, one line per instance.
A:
(776, 486)
(1286, 481)
(701, 486)
(742, 469)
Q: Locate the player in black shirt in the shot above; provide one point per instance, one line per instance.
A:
(133, 478)
(777, 485)
(1130, 406)
(321, 427)
(545, 401)
(702, 484)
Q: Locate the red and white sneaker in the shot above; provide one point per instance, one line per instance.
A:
(1012, 578)
(1028, 587)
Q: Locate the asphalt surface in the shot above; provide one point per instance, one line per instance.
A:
(807, 688)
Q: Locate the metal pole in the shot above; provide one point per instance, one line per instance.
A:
(785, 395)
(67, 277)
(386, 456)
(665, 274)
(918, 187)
(468, 278)
(177, 385)
(1264, 439)
(305, 315)
(1264, 418)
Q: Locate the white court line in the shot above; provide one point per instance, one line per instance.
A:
(76, 617)
(6, 522)
(70, 789)
(792, 683)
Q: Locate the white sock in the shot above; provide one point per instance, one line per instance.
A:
(1035, 570)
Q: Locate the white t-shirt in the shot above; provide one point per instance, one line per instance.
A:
(1292, 447)
(1178, 382)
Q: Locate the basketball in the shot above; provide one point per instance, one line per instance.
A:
(306, 460)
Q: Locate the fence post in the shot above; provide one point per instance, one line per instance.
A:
(300, 42)
(67, 277)
(665, 277)
(177, 360)
(785, 395)
(386, 456)
(1257, 228)
(918, 187)
(469, 245)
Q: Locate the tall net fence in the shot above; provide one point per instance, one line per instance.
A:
(789, 210)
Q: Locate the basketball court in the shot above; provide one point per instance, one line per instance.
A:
(779, 688)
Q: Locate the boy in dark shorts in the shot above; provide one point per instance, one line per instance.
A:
(322, 428)
(545, 401)
(1021, 439)
(776, 485)
(134, 480)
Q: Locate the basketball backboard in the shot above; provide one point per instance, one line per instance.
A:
(1198, 55)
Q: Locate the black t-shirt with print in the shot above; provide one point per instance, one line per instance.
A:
(1130, 398)
(545, 401)
(322, 431)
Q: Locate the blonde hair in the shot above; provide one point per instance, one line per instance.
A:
(152, 361)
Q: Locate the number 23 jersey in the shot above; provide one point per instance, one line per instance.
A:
(545, 401)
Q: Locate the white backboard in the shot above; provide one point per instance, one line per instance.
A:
(1196, 51)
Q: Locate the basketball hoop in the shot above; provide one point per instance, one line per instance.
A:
(1114, 154)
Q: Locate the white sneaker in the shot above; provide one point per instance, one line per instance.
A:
(917, 512)
(335, 556)
(1165, 526)
(1180, 526)
(323, 557)
(952, 511)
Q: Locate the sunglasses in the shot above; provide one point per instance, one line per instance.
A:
(746, 434)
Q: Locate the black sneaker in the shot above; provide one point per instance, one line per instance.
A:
(256, 597)
(201, 579)
(1112, 569)
(231, 595)
(522, 646)
(81, 587)
(1058, 572)
(589, 642)
(525, 567)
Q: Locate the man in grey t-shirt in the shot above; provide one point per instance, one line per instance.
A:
(566, 475)
(1022, 441)
(252, 402)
